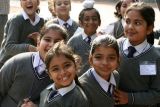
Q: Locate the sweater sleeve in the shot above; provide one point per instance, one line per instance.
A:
(12, 45)
(7, 75)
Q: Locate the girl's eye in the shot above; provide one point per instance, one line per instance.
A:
(54, 70)
(137, 23)
(58, 3)
(111, 58)
(94, 18)
(47, 39)
(67, 65)
(97, 57)
(127, 21)
(86, 19)
(66, 3)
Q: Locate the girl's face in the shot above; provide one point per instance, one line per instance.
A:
(62, 8)
(104, 60)
(62, 71)
(136, 28)
(30, 6)
(47, 41)
(90, 22)
(124, 6)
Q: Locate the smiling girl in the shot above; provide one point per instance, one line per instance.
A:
(23, 76)
(21, 30)
(139, 66)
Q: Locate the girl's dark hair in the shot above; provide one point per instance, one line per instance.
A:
(106, 41)
(81, 14)
(118, 7)
(148, 14)
(56, 27)
(60, 48)
(38, 10)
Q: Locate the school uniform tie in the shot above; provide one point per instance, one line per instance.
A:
(88, 39)
(66, 25)
(53, 94)
(110, 89)
(131, 51)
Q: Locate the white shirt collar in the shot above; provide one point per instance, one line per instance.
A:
(65, 90)
(61, 22)
(139, 48)
(84, 36)
(103, 83)
(37, 18)
(38, 62)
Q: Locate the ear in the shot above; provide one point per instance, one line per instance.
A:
(150, 29)
(90, 60)
(80, 23)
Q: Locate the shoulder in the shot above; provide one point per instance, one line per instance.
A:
(155, 50)
(20, 58)
(75, 38)
(75, 24)
(16, 20)
(85, 78)
(16, 62)
(17, 17)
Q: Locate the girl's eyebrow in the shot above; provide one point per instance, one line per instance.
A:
(139, 20)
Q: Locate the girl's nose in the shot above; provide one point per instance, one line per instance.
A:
(130, 25)
(104, 62)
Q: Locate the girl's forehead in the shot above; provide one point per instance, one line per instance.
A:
(127, 1)
(90, 12)
(62, 0)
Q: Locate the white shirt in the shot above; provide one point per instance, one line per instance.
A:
(61, 22)
(139, 48)
(85, 37)
(103, 83)
(37, 18)
(65, 90)
(38, 63)
(109, 29)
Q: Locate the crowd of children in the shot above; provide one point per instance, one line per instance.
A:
(62, 63)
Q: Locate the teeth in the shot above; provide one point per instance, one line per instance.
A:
(65, 78)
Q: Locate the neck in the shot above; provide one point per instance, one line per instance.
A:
(32, 17)
(64, 18)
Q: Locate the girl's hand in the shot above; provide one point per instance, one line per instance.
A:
(34, 36)
(120, 97)
(28, 103)
(32, 48)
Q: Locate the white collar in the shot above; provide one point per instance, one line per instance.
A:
(139, 48)
(37, 61)
(37, 18)
(103, 83)
(84, 36)
(61, 22)
(65, 90)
